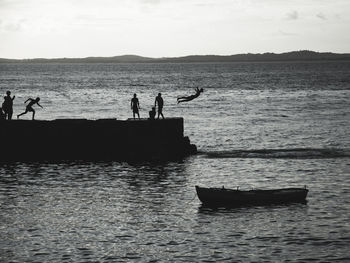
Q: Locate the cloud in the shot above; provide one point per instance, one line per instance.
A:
(283, 33)
(321, 16)
(4, 3)
(294, 15)
(12, 26)
(152, 2)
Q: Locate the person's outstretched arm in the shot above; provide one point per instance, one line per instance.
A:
(39, 105)
(28, 100)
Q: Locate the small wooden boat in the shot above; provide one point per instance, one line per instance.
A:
(236, 197)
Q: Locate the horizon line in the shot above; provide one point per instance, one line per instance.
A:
(174, 57)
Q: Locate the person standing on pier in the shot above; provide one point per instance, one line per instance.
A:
(2, 115)
(135, 106)
(7, 106)
(30, 106)
(159, 100)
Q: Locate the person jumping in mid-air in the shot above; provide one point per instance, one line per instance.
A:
(189, 98)
(29, 107)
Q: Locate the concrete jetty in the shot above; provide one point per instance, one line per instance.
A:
(103, 139)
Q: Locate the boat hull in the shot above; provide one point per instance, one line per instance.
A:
(230, 197)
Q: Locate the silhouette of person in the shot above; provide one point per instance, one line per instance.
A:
(29, 107)
(160, 102)
(189, 98)
(7, 106)
(135, 106)
(2, 114)
(152, 113)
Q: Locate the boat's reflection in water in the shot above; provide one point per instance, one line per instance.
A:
(215, 209)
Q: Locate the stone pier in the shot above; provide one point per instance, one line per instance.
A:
(103, 139)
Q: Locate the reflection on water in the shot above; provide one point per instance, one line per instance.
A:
(63, 212)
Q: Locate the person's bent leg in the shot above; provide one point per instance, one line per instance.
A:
(21, 114)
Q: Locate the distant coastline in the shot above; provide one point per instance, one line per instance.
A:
(303, 55)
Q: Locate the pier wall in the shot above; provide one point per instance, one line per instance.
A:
(104, 139)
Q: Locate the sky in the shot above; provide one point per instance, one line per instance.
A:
(171, 28)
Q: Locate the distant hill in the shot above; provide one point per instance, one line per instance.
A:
(304, 55)
(116, 59)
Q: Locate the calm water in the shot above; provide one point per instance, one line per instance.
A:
(257, 125)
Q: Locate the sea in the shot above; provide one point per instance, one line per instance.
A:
(256, 126)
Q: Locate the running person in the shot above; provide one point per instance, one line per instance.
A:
(29, 107)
